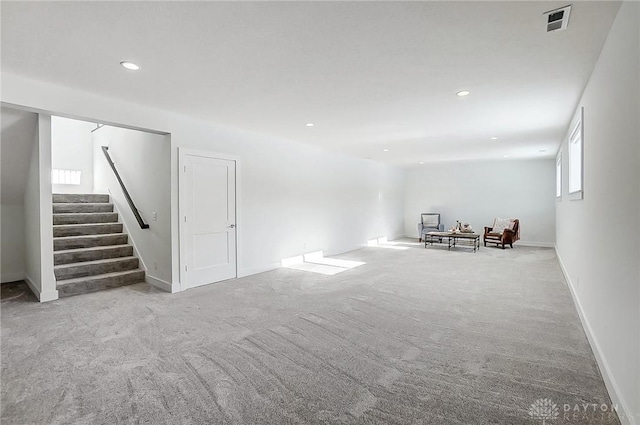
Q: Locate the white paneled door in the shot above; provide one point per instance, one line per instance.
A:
(208, 214)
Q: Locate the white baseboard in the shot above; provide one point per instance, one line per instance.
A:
(11, 277)
(248, 271)
(160, 284)
(43, 297)
(624, 413)
(536, 244)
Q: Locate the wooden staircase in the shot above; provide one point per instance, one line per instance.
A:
(91, 252)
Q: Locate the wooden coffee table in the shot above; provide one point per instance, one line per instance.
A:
(469, 240)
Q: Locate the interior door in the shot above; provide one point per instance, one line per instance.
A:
(209, 219)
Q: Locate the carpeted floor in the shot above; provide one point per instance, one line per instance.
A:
(416, 336)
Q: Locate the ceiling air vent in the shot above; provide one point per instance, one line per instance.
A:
(558, 19)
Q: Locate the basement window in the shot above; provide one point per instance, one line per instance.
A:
(559, 177)
(65, 176)
(575, 159)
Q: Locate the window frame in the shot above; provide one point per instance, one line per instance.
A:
(559, 177)
(576, 138)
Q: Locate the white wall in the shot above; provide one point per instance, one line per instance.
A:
(477, 192)
(17, 140)
(38, 216)
(71, 149)
(12, 250)
(143, 161)
(289, 194)
(598, 237)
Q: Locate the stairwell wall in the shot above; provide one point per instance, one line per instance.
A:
(144, 163)
(38, 219)
(293, 198)
(72, 150)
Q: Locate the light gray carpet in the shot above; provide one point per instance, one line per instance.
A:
(421, 336)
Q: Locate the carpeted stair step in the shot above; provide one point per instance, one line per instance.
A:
(75, 207)
(88, 241)
(83, 285)
(91, 254)
(84, 218)
(86, 229)
(90, 198)
(92, 268)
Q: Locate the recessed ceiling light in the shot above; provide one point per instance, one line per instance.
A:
(494, 138)
(385, 150)
(309, 124)
(421, 162)
(505, 156)
(463, 93)
(130, 66)
(542, 150)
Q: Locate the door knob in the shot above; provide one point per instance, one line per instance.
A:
(231, 226)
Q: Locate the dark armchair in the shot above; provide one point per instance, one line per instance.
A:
(429, 222)
(506, 236)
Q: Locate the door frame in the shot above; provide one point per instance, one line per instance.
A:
(182, 153)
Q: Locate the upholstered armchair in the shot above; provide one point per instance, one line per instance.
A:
(429, 222)
(503, 232)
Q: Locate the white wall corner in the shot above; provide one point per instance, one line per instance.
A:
(44, 296)
(624, 412)
(161, 284)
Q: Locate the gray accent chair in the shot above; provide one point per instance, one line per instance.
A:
(429, 222)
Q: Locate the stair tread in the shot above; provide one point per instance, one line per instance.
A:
(100, 235)
(95, 262)
(84, 224)
(92, 248)
(86, 213)
(83, 203)
(97, 276)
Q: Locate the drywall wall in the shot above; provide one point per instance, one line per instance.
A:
(143, 161)
(71, 149)
(32, 220)
(477, 192)
(38, 216)
(598, 237)
(17, 141)
(292, 198)
(12, 249)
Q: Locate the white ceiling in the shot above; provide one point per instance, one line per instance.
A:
(369, 75)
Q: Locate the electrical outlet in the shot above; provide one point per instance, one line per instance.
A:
(154, 216)
(155, 265)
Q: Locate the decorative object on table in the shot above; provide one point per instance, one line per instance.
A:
(429, 222)
(504, 231)
(461, 228)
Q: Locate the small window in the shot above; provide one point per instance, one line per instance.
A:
(65, 176)
(559, 177)
(575, 159)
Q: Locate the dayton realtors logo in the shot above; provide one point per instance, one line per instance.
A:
(544, 409)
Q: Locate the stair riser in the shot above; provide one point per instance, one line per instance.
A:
(82, 208)
(82, 270)
(89, 241)
(99, 284)
(92, 255)
(85, 218)
(97, 229)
